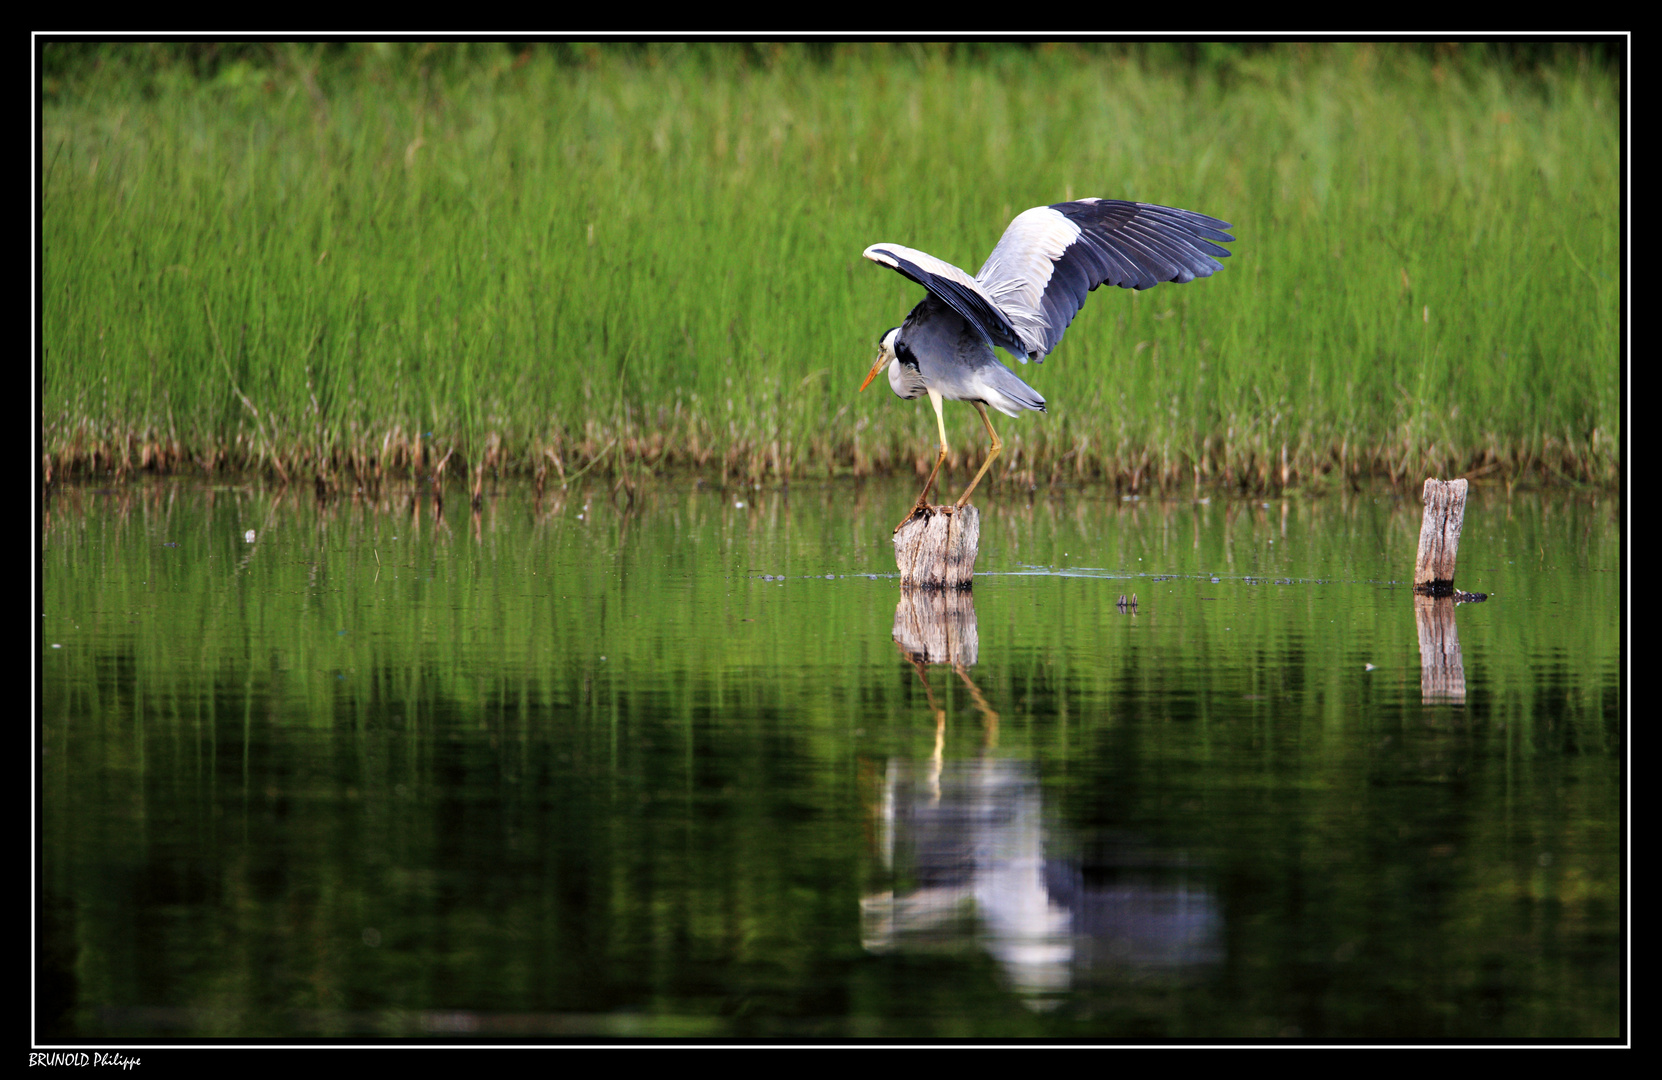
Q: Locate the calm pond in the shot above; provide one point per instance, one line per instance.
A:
(691, 765)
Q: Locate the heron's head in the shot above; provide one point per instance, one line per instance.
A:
(885, 355)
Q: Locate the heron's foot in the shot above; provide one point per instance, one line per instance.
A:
(910, 514)
(924, 508)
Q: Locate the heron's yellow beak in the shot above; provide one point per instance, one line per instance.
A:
(883, 359)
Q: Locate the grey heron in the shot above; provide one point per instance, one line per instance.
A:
(1026, 294)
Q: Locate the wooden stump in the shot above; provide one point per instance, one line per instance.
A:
(1445, 510)
(936, 547)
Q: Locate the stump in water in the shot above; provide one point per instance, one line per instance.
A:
(1442, 673)
(936, 547)
(1445, 510)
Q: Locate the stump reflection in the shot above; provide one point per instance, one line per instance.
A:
(1442, 673)
(937, 626)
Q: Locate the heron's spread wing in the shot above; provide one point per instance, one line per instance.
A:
(1052, 256)
(953, 287)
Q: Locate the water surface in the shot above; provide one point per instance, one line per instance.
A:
(688, 763)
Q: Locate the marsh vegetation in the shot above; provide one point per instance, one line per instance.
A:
(337, 263)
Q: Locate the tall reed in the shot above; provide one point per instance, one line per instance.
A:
(333, 263)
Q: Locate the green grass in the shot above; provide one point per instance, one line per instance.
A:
(340, 263)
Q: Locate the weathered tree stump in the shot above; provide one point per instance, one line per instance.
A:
(1445, 510)
(936, 547)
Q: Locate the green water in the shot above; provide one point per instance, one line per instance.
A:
(588, 767)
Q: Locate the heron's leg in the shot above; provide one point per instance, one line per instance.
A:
(923, 498)
(992, 452)
(940, 428)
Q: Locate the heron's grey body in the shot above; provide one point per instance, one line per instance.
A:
(1026, 294)
(937, 349)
